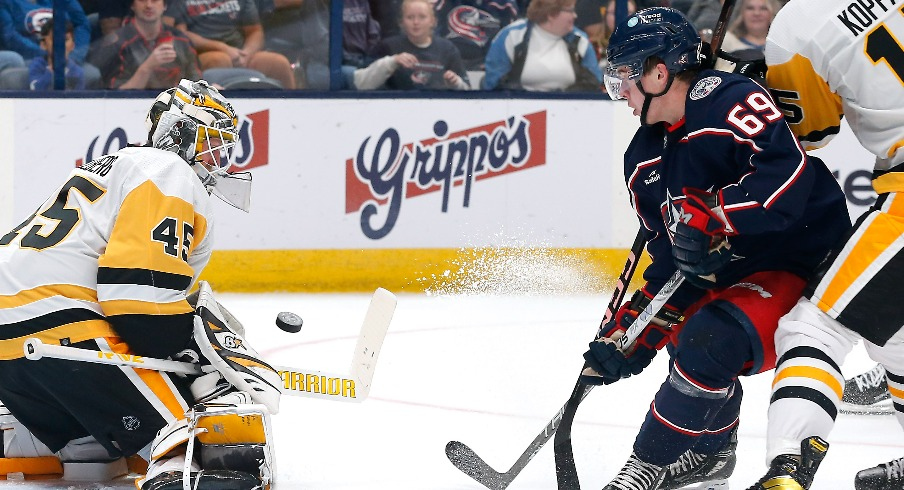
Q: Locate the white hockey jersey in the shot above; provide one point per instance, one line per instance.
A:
(832, 57)
(126, 234)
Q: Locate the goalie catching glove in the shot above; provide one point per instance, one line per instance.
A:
(699, 244)
(608, 364)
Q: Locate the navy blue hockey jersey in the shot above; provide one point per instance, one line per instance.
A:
(784, 209)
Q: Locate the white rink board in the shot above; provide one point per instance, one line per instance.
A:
(570, 193)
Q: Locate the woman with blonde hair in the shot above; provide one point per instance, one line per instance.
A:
(748, 30)
(415, 59)
(544, 52)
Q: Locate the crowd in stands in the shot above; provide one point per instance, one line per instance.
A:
(535, 45)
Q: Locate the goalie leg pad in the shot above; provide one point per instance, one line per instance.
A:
(23, 454)
(231, 355)
(224, 444)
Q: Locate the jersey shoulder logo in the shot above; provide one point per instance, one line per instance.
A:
(704, 87)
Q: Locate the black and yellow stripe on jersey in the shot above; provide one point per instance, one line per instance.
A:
(144, 269)
(68, 323)
(863, 280)
(127, 258)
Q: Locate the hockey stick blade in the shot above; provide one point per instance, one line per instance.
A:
(355, 386)
(472, 465)
(465, 459)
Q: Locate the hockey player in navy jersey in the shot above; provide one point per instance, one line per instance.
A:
(725, 194)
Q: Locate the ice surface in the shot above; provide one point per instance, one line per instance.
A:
(489, 371)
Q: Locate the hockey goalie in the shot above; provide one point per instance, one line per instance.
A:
(106, 264)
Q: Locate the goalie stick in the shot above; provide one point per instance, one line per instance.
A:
(465, 459)
(353, 386)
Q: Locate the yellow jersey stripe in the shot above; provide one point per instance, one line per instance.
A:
(129, 307)
(29, 296)
(810, 372)
(74, 332)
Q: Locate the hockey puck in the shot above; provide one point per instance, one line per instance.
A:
(288, 321)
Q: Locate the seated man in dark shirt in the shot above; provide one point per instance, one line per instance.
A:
(146, 53)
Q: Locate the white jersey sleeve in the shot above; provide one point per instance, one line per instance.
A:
(125, 236)
(829, 58)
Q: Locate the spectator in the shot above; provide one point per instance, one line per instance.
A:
(360, 34)
(472, 24)
(704, 14)
(386, 13)
(112, 14)
(229, 34)
(683, 6)
(146, 53)
(597, 19)
(749, 29)
(10, 62)
(20, 22)
(40, 73)
(544, 52)
(300, 31)
(416, 59)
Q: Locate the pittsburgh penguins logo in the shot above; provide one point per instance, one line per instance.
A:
(234, 343)
(131, 422)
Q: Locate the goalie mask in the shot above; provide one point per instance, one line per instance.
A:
(196, 122)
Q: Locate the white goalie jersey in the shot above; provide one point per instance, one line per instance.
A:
(126, 234)
(825, 54)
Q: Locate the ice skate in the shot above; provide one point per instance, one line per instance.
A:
(703, 471)
(867, 394)
(637, 475)
(792, 472)
(886, 476)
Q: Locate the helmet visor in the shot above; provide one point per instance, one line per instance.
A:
(619, 79)
(215, 148)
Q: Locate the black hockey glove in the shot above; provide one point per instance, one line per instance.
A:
(608, 363)
(699, 246)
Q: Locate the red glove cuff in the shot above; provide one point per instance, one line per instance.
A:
(698, 212)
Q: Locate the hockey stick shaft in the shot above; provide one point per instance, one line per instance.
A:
(566, 471)
(464, 458)
(720, 29)
(296, 381)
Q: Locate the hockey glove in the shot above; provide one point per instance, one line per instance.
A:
(610, 364)
(699, 246)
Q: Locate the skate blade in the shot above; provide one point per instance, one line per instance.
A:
(709, 485)
(884, 407)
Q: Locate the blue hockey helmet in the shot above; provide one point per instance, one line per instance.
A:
(657, 31)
